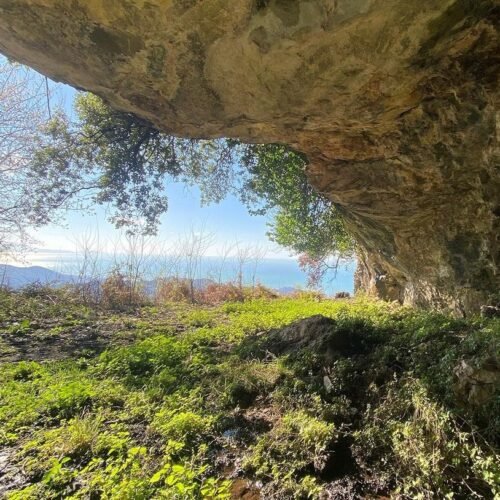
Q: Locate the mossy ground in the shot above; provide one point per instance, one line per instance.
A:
(193, 402)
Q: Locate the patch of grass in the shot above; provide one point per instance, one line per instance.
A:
(40, 303)
(19, 328)
(204, 387)
(242, 382)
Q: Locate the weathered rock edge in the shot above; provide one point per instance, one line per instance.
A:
(394, 102)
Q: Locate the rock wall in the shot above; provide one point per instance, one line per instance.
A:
(395, 102)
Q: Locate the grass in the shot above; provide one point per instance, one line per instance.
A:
(199, 400)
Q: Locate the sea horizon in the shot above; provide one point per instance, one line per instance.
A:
(273, 272)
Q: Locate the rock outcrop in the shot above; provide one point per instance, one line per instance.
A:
(393, 101)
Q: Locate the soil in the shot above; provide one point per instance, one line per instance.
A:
(55, 339)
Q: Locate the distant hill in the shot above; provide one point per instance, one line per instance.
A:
(17, 277)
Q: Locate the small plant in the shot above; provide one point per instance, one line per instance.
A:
(57, 330)
(297, 441)
(183, 426)
(59, 476)
(20, 328)
(189, 481)
(26, 370)
(66, 399)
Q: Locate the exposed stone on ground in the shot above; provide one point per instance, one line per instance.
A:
(395, 102)
(11, 475)
(244, 490)
(306, 333)
(476, 385)
(490, 311)
(317, 334)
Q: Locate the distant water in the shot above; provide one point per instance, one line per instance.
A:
(273, 273)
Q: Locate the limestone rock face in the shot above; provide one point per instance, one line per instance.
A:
(476, 385)
(395, 102)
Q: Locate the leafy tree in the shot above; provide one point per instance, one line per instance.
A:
(274, 181)
(114, 158)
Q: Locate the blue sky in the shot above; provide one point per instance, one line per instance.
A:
(229, 220)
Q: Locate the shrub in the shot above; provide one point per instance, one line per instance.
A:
(179, 290)
(217, 293)
(416, 442)
(118, 293)
(315, 295)
(40, 303)
(260, 292)
(39, 290)
(172, 290)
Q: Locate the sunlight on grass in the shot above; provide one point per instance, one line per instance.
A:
(164, 416)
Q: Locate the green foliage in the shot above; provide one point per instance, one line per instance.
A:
(244, 381)
(67, 398)
(114, 158)
(164, 416)
(26, 370)
(297, 441)
(415, 439)
(19, 328)
(189, 481)
(274, 180)
(23, 309)
(148, 358)
(187, 427)
(200, 317)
